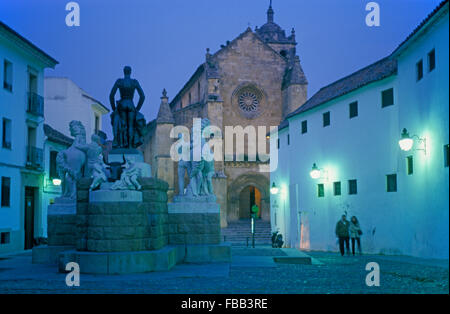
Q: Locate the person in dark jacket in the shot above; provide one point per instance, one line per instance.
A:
(342, 232)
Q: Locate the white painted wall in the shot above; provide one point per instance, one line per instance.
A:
(13, 106)
(413, 220)
(65, 102)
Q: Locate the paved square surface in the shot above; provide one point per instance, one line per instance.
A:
(251, 271)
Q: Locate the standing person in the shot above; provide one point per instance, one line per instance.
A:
(355, 234)
(342, 232)
(255, 210)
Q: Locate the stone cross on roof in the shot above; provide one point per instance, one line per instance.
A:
(270, 13)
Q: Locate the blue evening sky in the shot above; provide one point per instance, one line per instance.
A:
(165, 40)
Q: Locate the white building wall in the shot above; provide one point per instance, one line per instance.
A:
(279, 218)
(65, 102)
(424, 111)
(411, 221)
(13, 106)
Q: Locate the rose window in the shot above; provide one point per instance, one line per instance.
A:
(248, 102)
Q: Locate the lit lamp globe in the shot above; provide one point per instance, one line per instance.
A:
(274, 189)
(56, 182)
(406, 142)
(315, 172)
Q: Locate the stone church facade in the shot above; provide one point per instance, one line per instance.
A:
(254, 80)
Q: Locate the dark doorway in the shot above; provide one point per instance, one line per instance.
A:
(29, 216)
(248, 197)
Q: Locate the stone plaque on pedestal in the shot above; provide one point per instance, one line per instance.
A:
(115, 155)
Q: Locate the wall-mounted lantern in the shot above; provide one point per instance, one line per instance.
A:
(274, 189)
(56, 182)
(406, 142)
(318, 173)
(315, 172)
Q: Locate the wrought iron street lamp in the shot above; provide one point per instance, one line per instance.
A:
(274, 189)
(315, 172)
(406, 142)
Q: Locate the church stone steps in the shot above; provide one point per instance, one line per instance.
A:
(237, 232)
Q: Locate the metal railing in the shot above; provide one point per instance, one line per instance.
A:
(35, 104)
(35, 157)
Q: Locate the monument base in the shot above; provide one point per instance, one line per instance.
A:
(62, 206)
(212, 253)
(48, 254)
(110, 196)
(117, 154)
(120, 263)
(194, 222)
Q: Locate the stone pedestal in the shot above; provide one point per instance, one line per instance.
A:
(61, 217)
(194, 222)
(125, 221)
(61, 227)
(116, 154)
(118, 263)
(124, 232)
(62, 206)
(114, 196)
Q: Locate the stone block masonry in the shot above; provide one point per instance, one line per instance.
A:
(123, 226)
(194, 223)
(200, 232)
(122, 237)
(61, 229)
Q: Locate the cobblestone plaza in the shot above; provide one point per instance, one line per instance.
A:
(273, 163)
(252, 271)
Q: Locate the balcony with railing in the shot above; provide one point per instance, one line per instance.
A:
(35, 157)
(35, 104)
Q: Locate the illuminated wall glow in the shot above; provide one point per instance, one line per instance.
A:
(283, 192)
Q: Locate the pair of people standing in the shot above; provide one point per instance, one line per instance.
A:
(346, 230)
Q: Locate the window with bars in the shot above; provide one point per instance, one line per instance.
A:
(337, 188)
(304, 127)
(387, 97)
(326, 119)
(6, 133)
(6, 192)
(419, 70)
(431, 60)
(4, 237)
(320, 190)
(391, 182)
(52, 165)
(352, 187)
(7, 75)
(353, 108)
(446, 155)
(409, 165)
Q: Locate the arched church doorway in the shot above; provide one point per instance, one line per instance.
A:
(248, 197)
(244, 191)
